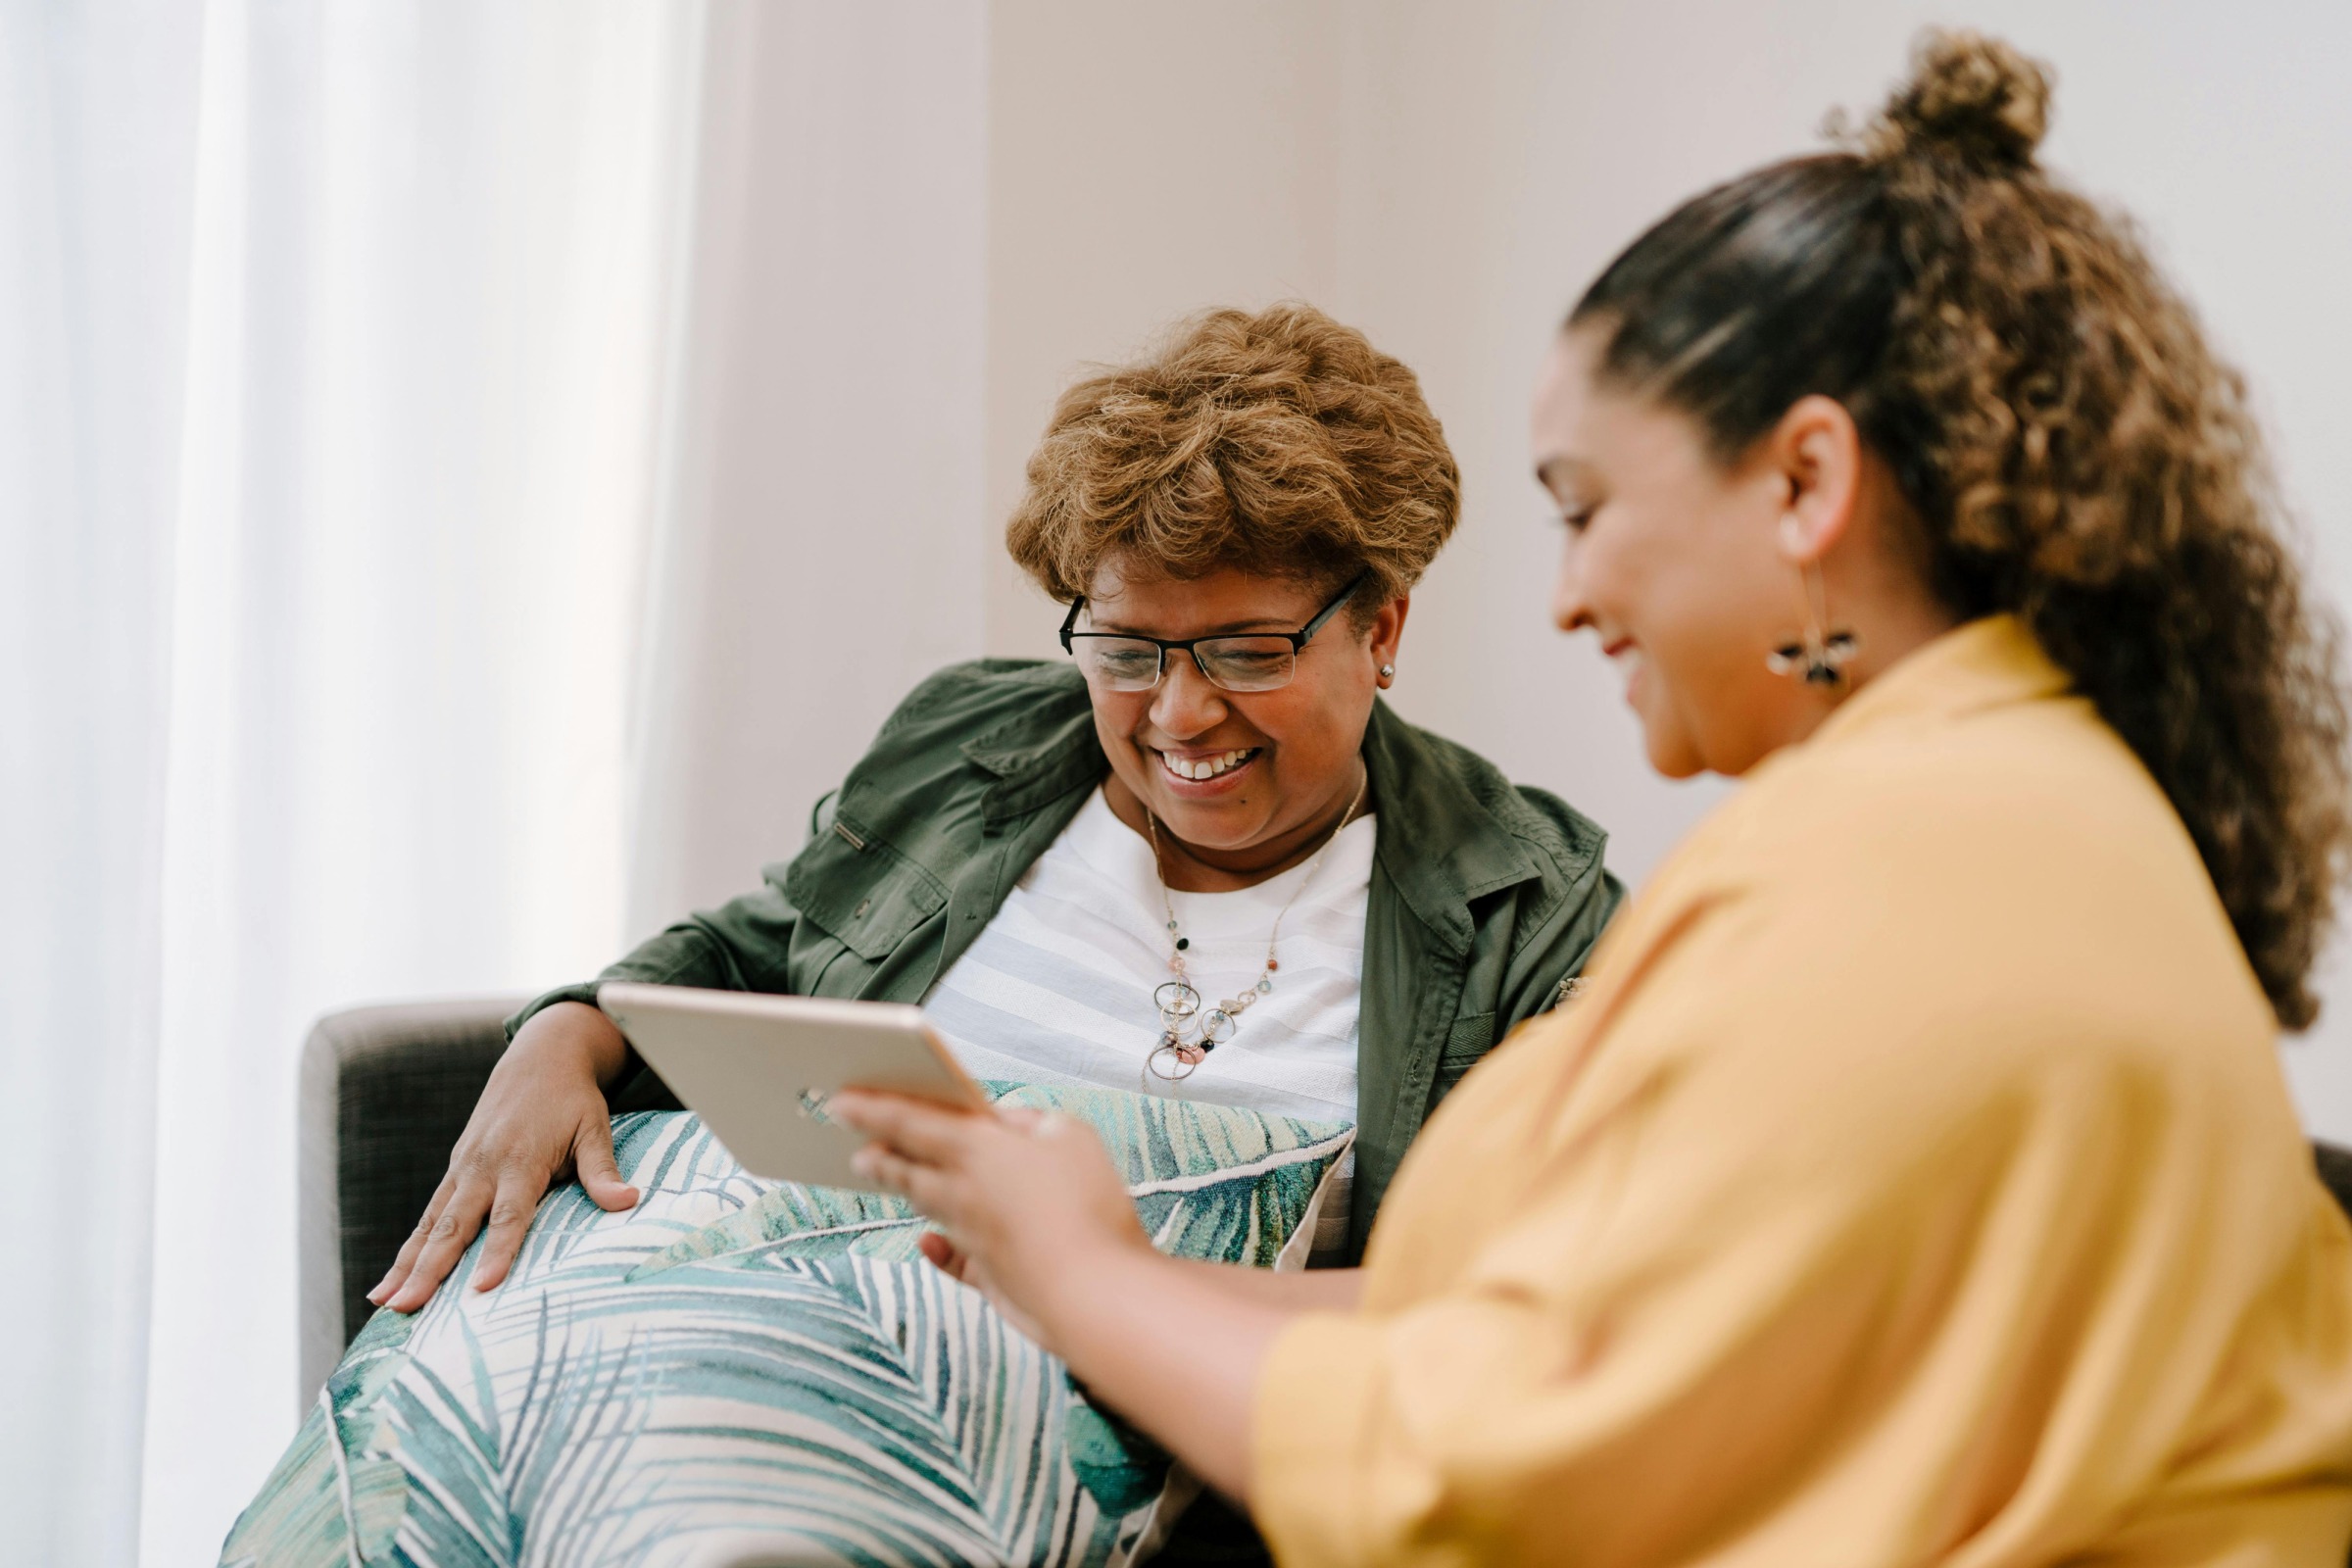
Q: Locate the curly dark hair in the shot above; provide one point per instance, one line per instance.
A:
(1280, 441)
(2073, 448)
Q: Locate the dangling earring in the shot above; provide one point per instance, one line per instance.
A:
(1820, 658)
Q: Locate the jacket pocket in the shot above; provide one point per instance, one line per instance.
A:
(1469, 1039)
(857, 887)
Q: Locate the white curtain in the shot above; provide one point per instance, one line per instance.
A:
(331, 382)
(90, 353)
(420, 437)
(470, 476)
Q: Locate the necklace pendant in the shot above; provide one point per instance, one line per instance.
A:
(1189, 1034)
(1176, 1000)
(1174, 1059)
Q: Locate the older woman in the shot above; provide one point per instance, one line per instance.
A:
(1915, 1183)
(1206, 801)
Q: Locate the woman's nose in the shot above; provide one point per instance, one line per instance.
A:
(1186, 703)
(1569, 611)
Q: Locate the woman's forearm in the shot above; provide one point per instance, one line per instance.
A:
(1314, 1290)
(1176, 1347)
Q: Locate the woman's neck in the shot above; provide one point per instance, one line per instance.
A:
(1196, 868)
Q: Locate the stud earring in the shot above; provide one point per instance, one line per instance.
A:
(1820, 656)
(1388, 673)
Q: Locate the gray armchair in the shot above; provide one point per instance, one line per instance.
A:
(385, 1093)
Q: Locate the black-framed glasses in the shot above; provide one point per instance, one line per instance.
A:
(1253, 662)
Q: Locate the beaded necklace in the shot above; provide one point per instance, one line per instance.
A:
(1187, 1034)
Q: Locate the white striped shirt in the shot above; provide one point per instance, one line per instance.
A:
(1057, 989)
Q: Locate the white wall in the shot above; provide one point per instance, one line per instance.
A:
(1449, 177)
(818, 551)
(1145, 160)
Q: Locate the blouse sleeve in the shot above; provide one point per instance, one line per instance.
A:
(1839, 1268)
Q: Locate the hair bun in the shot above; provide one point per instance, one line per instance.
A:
(1971, 96)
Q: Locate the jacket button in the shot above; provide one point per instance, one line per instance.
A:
(864, 905)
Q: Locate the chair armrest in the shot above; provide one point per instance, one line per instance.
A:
(385, 1092)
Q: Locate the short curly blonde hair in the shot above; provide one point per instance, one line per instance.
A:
(1280, 442)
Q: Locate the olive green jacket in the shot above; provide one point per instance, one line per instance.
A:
(1484, 897)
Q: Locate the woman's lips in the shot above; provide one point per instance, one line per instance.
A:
(1628, 658)
(1233, 765)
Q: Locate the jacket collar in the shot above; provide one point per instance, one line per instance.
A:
(1042, 753)
(1438, 842)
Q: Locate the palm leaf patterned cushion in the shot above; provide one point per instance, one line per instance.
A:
(739, 1371)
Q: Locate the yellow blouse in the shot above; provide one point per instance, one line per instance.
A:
(1916, 1183)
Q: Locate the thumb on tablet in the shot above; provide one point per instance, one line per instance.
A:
(600, 1173)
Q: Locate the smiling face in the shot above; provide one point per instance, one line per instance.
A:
(1675, 563)
(1246, 782)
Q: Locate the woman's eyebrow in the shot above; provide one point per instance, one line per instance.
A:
(1228, 628)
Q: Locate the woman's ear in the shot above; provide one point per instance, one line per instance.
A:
(1818, 454)
(1387, 633)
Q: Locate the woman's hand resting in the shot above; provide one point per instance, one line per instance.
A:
(1029, 1203)
(541, 1120)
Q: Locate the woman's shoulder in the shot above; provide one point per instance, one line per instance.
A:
(2020, 848)
(2039, 786)
(1001, 709)
(1428, 785)
(963, 726)
(1899, 932)
(979, 693)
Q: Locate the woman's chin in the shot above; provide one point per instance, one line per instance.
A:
(1221, 822)
(1221, 825)
(1671, 754)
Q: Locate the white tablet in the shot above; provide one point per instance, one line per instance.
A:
(752, 1066)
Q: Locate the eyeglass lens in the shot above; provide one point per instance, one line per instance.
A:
(1235, 663)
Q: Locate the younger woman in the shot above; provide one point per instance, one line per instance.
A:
(1915, 1183)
